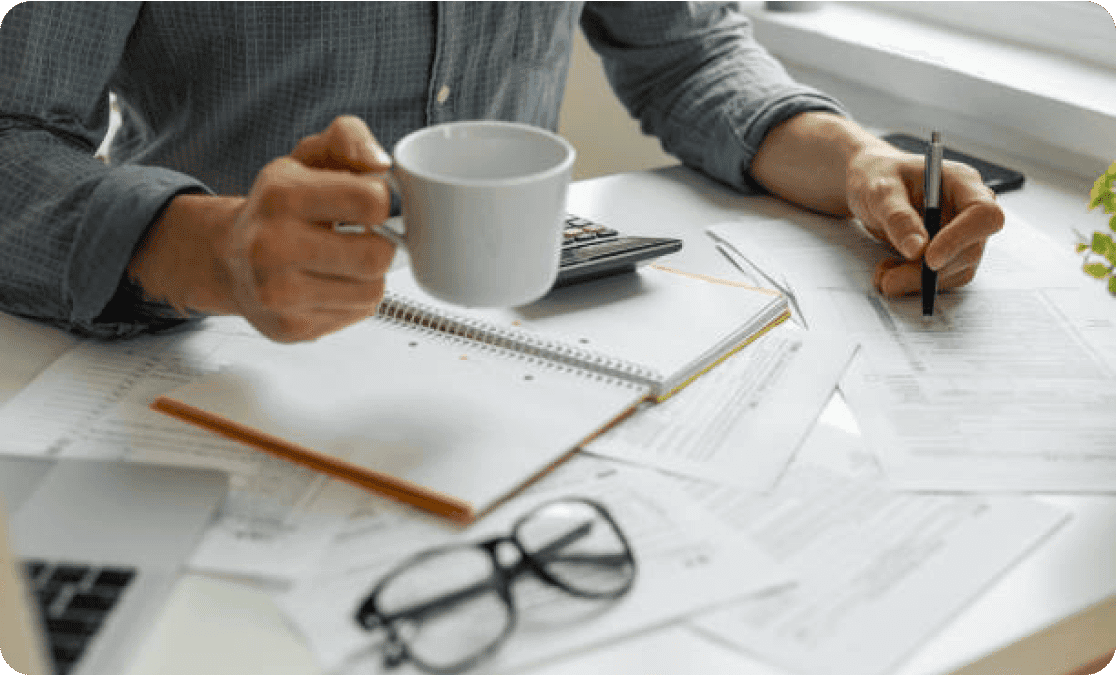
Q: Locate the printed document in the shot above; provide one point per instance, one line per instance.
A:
(28, 345)
(741, 422)
(686, 562)
(863, 556)
(960, 403)
(92, 403)
(1006, 388)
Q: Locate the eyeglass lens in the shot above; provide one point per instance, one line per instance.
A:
(446, 607)
(449, 606)
(576, 545)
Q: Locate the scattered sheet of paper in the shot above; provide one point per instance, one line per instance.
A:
(835, 445)
(1005, 388)
(1092, 313)
(742, 421)
(92, 402)
(864, 557)
(29, 346)
(966, 403)
(676, 650)
(686, 562)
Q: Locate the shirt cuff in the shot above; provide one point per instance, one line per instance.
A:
(751, 132)
(105, 303)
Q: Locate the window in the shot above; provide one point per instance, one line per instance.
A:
(1080, 29)
(1033, 79)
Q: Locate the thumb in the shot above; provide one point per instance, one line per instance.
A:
(346, 145)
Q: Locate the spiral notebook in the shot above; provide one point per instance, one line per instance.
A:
(660, 327)
(454, 410)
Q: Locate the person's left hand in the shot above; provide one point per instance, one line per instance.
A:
(884, 190)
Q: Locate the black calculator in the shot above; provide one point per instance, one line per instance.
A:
(591, 250)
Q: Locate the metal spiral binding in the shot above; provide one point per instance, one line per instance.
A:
(520, 344)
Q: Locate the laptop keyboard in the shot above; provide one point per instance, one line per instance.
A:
(74, 601)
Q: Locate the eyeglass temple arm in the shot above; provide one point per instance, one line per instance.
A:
(565, 540)
(548, 552)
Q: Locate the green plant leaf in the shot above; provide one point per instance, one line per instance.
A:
(1112, 285)
(1102, 192)
(1096, 193)
(1108, 201)
(1112, 223)
(1096, 270)
(1081, 248)
(1102, 243)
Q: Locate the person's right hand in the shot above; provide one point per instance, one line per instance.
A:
(273, 257)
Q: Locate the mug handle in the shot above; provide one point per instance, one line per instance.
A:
(382, 229)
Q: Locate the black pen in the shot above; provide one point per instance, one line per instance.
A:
(931, 216)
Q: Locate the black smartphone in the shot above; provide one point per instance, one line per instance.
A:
(999, 178)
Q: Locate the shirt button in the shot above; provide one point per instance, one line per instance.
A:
(443, 94)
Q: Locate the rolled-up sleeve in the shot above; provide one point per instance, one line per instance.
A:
(694, 76)
(69, 223)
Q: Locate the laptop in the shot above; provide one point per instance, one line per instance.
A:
(91, 554)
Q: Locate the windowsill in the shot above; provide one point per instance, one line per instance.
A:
(899, 73)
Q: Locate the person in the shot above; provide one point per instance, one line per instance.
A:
(247, 128)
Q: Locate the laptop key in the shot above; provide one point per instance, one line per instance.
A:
(46, 594)
(32, 569)
(67, 649)
(114, 576)
(76, 601)
(94, 601)
(69, 574)
(74, 625)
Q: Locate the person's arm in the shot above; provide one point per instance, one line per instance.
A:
(695, 77)
(273, 256)
(113, 251)
(830, 164)
(68, 222)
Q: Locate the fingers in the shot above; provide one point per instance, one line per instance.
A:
(288, 328)
(895, 277)
(316, 250)
(971, 216)
(885, 193)
(292, 276)
(306, 293)
(346, 145)
(287, 187)
(282, 265)
(888, 213)
(289, 303)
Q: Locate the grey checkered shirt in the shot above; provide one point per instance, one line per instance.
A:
(210, 92)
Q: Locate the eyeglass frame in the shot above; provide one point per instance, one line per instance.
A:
(395, 648)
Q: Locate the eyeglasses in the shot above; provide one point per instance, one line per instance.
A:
(447, 609)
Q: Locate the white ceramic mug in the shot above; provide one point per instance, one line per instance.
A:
(483, 206)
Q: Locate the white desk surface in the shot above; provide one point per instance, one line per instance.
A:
(1053, 611)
